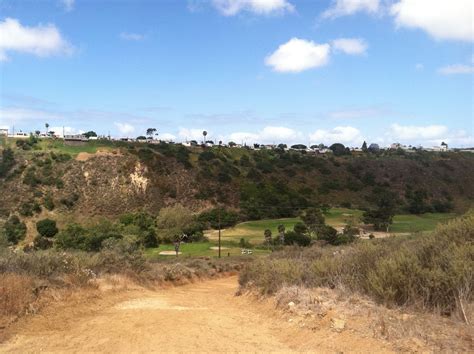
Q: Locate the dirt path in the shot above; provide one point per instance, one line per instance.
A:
(200, 317)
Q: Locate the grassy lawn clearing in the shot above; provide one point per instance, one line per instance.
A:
(252, 231)
(201, 249)
(415, 223)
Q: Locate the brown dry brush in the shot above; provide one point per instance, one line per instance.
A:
(426, 271)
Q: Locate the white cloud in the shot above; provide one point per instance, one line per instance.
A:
(456, 69)
(298, 55)
(244, 137)
(68, 5)
(269, 134)
(66, 130)
(131, 36)
(42, 40)
(259, 7)
(125, 128)
(343, 134)
(410, 132)
(193, 134)
(442, 19)
(349, 7)
(419, 67)
(167, 137)
(351, 46)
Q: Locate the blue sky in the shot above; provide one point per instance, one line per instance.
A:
(244, 70)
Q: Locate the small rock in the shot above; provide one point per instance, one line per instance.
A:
(291, 304)
(338, 324)
(290, 320)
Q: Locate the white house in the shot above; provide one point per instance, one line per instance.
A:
(3, 132)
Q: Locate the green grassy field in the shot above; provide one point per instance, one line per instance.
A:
(416, 223)
(252, 231)
(202, 249)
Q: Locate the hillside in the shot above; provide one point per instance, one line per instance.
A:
(111, 178)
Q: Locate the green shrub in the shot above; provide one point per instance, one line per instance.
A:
(48, 202)
(47, 228)
(14, 229)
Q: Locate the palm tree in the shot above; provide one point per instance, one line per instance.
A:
(268, 237)
(281, 233)
(46, 126)
(204, 134)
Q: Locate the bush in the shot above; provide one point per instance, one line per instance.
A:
(47, 228)
(15, 230)
(296, 238)
(425, 271)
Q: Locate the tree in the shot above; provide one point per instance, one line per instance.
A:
(204, 134)
(313, 218)
(381, 216)
(37, 132)
(300, 228)
(268, 236)
(15, 230)
(296, 238)
(299, 147)
(47, 228)
(90, 134)
(338, 149)
(374, 148)
(364, 147)
(150, 132)
(6, 162)
(46, 125)
(174, 221)
(281, 233)
(232, 144)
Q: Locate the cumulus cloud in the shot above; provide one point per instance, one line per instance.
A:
(341, 134)
(61, 131)
(351, 46)
(244, 137)
(349, 7)
(259, 7)
(193, 134)
(131, 36)
(167, 137)
(448, 20)
(412, 132)
(298, 55)
(456, 69)
(269, 134)
(68, 5)
(124, 128)
(42, 40)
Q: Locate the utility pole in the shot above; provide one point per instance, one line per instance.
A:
(219, 221)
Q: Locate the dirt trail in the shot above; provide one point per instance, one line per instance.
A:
(200, 317)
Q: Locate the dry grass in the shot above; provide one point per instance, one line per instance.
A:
(16, 293)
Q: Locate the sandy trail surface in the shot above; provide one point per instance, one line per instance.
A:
(199, 317)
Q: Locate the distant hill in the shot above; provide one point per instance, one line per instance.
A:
(105, 178)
